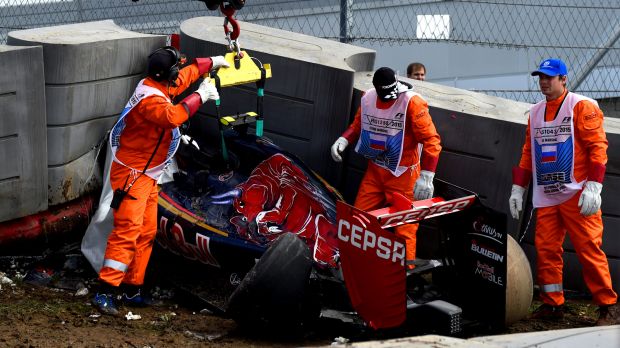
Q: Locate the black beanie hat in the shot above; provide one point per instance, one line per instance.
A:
(385, 83)
(160, 64)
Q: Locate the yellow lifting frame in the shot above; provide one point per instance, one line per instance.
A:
(248, 71)
(226, 120)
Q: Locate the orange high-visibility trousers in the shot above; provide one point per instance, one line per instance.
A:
(376, 190)
(586, 235)
(135, 227)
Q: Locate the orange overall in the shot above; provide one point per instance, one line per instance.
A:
(135, 221)
(379, 184)
(552, 223)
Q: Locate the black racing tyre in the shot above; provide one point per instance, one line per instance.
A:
(274, 292)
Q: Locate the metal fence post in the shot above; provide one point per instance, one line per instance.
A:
(346, 20)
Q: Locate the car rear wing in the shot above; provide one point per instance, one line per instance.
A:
(404, 211)
(372, 256)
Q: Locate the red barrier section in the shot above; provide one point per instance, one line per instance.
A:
(47, 224)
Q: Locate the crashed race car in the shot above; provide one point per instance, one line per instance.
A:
(318, 261)
(306, 254)
(246, 205)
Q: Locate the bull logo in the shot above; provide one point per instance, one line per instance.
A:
(278, 197)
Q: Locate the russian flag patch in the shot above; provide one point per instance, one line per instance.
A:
(377, 141)
(549, 153)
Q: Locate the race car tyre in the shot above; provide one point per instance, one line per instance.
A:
(274, 292)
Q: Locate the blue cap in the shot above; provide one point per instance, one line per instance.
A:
(551, 67)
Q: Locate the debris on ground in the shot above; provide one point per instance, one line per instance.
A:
(49, 295)
(4, 280)
(81, 292)
(131, 316)
(340, 340)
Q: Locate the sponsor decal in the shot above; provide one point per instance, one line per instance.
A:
(488, 273)
(173, 239)
(279, 197)
(485, 251)
(421, 114)
(135, 98)
(366, 240)
(373, 268)
(557, 176)
(421, 213)
(590, 116)
(554, 188)
(488, 231)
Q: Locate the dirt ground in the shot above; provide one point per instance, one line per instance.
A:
(54, 314)
(42, 305)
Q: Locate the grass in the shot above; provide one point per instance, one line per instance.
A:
(40, 300)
